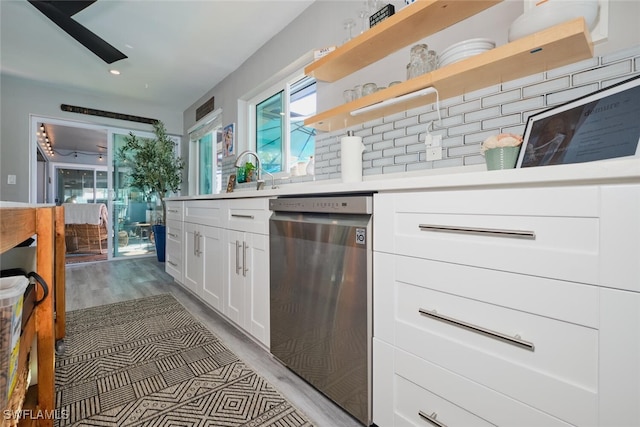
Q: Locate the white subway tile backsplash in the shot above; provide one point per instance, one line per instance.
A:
(474, 160)
(405, 122)
(462, 130)
(482, 114)
(383, 145)
(568, 95)
(394, 117)
(395, 133)
(524, 81)
(602, 73)
(394, 144)
(479, 137)
(525, 104)
(466, 107)
(406, 140)
(501, 121)
(422, 165)
(383, 128)
(621, 54)
(547, 87)
(501, 98)
(482, 92)
(389, 152)
(583, 65)
(385, 161)
(407, 158)
(463, 150)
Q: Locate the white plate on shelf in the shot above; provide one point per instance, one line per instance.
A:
(469, 44)
(460, 56)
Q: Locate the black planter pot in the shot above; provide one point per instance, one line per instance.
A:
(160, 235)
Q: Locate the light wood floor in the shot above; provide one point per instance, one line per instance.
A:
(93, 284)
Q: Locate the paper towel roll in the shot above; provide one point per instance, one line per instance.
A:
(351, 158)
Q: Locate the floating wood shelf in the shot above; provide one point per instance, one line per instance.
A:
(560, 45)
(410, 24)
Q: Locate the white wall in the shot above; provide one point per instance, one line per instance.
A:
(20, 98)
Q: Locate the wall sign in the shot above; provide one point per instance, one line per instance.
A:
(205, 109)
(109, 114)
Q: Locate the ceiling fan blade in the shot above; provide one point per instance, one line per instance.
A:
(71, 7)
(95, 44)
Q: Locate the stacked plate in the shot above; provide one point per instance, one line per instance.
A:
(463, 50)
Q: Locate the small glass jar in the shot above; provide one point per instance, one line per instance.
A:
(349, 95)
(358, 91)
(369, 88)
(417, 61)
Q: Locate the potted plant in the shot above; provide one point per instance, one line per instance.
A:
(154, 169)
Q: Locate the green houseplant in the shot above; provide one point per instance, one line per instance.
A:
(154, 169)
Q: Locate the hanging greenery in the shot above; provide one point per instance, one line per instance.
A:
(153, 165)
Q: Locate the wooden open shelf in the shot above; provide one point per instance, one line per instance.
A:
(17, 224)
(557, 46)
(410, 24)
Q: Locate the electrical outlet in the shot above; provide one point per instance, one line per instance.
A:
(11, 179)
(434, 153)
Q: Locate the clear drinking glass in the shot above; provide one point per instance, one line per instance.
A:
(349, 95)
(349, 24)
(369, 88)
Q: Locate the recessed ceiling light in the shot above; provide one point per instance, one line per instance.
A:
(115, 72)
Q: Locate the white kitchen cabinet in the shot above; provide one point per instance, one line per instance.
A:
(174, 240)
(174, 249)
(513, 306)
(204, 269)
(203, 254)
(247, 280)
(247, 267)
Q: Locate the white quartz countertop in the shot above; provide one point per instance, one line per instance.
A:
(601, 172)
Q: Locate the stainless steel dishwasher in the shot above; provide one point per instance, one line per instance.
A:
(321, 286)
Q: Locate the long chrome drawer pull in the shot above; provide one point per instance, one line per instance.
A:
(172, 235)
(515, 340)
(515, 234)
(431, 418)
(238, 268)
(173, 210)
(172, 263)
(242, 216)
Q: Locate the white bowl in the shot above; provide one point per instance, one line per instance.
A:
(553, 12)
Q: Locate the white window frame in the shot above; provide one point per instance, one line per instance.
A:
(275, 85)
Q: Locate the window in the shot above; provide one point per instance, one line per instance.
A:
(205, 155)
(281, 139)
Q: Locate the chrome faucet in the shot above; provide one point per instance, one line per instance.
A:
(259, 170)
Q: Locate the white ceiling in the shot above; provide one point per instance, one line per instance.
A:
(177, 49)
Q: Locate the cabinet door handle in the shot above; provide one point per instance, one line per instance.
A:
(173, 210)
(172, 235)
(431, 419)
(244, 259)
(195, 238)
(242, 216)
(238, 268)
(515, 340)
(199, 241)
(172, 263)
(514, 234)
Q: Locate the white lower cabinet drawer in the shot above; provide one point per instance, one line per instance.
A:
(545, 363)
(552, 233)
(420, 389)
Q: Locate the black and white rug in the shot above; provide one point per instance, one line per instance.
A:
(149, 362)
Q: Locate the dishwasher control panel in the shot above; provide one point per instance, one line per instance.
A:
(344, 205)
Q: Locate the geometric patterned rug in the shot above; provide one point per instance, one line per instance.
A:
(149, 362)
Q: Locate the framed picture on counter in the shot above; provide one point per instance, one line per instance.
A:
(599, 126)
